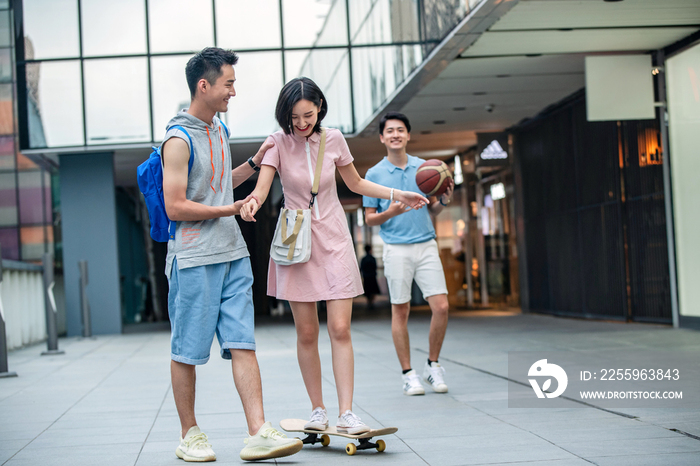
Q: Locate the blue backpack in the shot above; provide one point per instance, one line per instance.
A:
(150, 178)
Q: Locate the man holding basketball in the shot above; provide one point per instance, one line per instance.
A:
(410, 253)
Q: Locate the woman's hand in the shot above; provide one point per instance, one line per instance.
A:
(411, 199)
(249, 207)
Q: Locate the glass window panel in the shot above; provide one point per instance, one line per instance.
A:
(50, 29)
(385, 22)
(8, 199)
(260, 29)
(4, 3)
(54, 104)
(116, 100)
(25, 163)
(5, 36)
(7, 120)
(377, 72)
(311, 23)
(330, 70)
(113, 28)
(258, 82)
(31, 201)
(170, 91)
(5, 66)
(180, 25)
(9, 239)
(33, 240)
(7, 153)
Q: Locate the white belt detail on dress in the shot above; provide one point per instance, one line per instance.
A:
(311, 173)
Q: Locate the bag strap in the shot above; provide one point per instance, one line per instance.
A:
(172, 225)
(291, 240)
(319, 167)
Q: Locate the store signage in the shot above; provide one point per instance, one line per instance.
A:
(494, 151)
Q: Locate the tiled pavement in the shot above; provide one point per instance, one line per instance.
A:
(108, 401)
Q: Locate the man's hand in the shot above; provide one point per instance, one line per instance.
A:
(447, 195)
(242, 207)
(268, 144)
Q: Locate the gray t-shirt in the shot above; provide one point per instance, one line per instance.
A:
(207, 241)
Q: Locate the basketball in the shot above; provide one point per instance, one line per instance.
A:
(433, 177)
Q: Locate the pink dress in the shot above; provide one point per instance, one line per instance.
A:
(332, 271)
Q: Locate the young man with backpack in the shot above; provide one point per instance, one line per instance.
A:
(208, 264)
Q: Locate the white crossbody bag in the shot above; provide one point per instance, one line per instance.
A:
(291, 243)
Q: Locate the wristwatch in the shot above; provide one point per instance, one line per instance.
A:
(252, 164)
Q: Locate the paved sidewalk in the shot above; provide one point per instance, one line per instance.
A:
(108, 401)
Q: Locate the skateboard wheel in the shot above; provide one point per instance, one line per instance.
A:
(325, 440)
(350, 449)
(381, 445)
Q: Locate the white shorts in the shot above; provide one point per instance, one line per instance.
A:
(404, 263)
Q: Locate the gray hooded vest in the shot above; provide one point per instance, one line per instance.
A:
(207, 241)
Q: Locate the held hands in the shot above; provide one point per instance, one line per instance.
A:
(410, 199)
(247, 207)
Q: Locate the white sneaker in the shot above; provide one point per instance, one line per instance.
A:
(195, 447)
(434, 375)
(319, 420)
(350, 423)
(269, 443)
(411, 384)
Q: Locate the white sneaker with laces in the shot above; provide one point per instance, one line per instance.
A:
(350, 423)
(434, 374)
(195, 447)
(411, 383)
(319, 420)
(269, 443)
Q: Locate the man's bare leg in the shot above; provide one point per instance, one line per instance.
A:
(183, 377)
(399, 331)
(438, 324)
(246, 377)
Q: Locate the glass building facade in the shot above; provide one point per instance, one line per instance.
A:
(26, 200)
(96, 73)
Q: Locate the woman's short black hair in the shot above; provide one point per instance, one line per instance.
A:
(295, 90)
(394, 116)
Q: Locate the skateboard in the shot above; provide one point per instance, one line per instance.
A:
(322, 436)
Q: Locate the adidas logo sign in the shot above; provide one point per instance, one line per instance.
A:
(494, 151)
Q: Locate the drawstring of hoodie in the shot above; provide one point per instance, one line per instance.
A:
(211, 158)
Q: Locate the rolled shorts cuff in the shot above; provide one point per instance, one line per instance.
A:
(184, 360)
(225, 347)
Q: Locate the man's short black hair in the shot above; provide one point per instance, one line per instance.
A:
(207, 64)
(295, 90)
(394, 116)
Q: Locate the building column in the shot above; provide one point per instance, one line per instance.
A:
(89, 232)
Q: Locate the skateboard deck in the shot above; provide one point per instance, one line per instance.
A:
(312, 437)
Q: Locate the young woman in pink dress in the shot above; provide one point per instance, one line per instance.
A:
(332, 273)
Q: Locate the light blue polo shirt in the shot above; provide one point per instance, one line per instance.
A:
(414, 226)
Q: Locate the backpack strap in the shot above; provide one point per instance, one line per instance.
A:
(225, 127)
(171, 228)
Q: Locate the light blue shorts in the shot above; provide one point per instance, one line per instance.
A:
(210, 299)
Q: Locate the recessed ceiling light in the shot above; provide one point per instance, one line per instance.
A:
(425, 132)
(479, 93)
(610, 1)
(439, 122)
(459, 109)
(503, 76)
